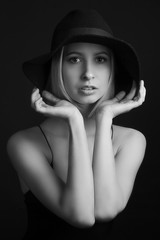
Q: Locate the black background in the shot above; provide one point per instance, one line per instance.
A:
(25, 32)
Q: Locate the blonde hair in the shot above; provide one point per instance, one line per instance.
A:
(56, 84)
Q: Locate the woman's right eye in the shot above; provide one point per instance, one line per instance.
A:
(74, 60)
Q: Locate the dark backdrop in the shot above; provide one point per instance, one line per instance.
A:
(26, 30)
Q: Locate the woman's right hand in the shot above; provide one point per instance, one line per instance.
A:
(56, 106)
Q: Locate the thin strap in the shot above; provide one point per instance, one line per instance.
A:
(47, 142)
(112, 131)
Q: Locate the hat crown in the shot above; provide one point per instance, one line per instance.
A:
(83, 19)
(79, 22)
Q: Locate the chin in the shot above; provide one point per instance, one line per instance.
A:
(88, 99)
(88, 102)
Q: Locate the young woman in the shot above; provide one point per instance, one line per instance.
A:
(77, 169)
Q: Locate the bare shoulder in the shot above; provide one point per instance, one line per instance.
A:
(29, 139)
(129, 138)
(125, 133)
(26, 136)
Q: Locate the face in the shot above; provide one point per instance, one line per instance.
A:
(86, 72)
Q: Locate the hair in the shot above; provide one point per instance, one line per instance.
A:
(55, 82)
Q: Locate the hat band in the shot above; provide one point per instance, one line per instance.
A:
(89, 31)
(77, 32)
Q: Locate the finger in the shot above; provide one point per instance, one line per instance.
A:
(130, 104)
(136, 102)
(35, 96)
(142, 92)
(141, 97)
(40, 105)
(132, 92)
(37, 104)
(50, 97)
(119, 96)
(34, 89)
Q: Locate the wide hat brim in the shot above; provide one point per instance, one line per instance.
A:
(127, 62)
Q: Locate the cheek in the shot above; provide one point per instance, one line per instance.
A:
(104, 76)
(70, 75)
(106, 82)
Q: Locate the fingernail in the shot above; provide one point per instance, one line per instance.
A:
(35, 88)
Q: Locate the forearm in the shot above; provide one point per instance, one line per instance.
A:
(107, 191)
(78, 195)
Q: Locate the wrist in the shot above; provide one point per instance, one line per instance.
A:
(104, 118)
(76, 119)
(104, 125)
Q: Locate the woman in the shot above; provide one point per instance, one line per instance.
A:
(77, 169)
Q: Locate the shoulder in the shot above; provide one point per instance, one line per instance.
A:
(125, 133)
(129, 140)
(24, 142)
(24, 136)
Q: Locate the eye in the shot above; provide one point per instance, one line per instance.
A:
(74, 60)
(101, 59)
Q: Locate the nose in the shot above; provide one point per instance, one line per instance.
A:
(88, 73)
(87, 76)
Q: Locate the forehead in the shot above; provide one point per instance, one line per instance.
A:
(85, 47)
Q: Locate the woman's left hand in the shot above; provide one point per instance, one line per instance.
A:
(121, 103)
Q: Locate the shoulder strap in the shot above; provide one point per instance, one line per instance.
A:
(112, 131)
(46, 141)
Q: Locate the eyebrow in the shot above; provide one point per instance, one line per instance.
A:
(79, 53)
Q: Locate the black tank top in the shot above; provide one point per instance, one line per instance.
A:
(43, 224)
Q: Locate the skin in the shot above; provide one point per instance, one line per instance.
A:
(93, 174)
(79, 65)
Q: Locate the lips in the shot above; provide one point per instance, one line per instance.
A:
(88, 90)
(87, 87)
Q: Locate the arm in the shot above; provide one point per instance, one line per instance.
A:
(78, 194)
(114, 176)
(107, 191)
(73, 200)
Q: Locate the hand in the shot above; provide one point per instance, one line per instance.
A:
(121, 103)
(53, 106)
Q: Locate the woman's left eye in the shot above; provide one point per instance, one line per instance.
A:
(101, 59)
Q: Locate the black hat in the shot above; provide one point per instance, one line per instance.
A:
(86, 26)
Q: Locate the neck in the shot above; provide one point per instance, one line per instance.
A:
(85, 110)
